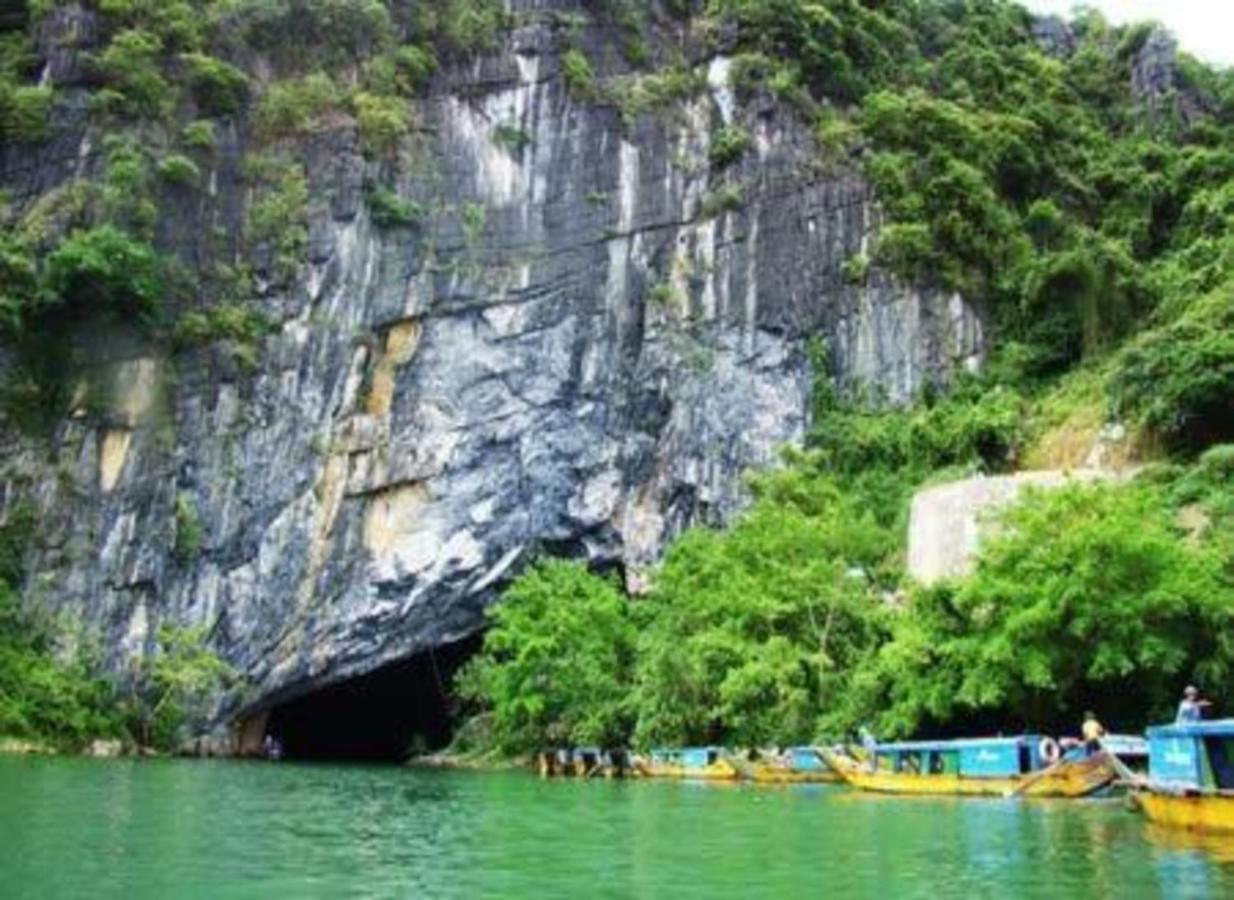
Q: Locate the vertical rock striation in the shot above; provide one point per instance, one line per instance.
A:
(576, 349)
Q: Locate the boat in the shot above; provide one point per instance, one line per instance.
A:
(796, 765)
(1190, 780)
(702, 763)
(584, 762)
(1025, 765)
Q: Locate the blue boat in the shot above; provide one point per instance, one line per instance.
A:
(707, 763)
(1191, 775)
(796, 765)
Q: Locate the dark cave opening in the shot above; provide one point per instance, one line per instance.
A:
(394, 712)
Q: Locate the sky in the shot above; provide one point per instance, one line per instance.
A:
(1204, 28)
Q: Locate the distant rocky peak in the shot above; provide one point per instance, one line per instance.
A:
(1157, 80)
(1054, 36)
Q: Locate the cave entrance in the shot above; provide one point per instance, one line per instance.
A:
(394, 712)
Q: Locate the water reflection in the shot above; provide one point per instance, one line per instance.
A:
(1215, 847)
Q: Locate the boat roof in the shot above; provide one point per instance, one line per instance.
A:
(1125, 744)
(1213, 728)
(958, 744)
(709, 749)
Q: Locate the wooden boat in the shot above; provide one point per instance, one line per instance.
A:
(1190, 776)
(703, 763)
(584, 762)
(975, 767)
(796, 765)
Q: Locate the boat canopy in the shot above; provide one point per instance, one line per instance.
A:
(1195, 755)
(689, 757)
(1125, 744)
(1211, 728)
(975, 757)
(806, 759)
(1022, 740)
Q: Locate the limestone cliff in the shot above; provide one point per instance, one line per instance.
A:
(574, 350)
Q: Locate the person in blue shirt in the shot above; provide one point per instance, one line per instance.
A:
(1191, 709)
(870, 745)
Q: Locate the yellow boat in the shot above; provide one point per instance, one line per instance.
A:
(1201, 812)
(695, 763)
(796, 765)
(1190, 776)
(992, 767)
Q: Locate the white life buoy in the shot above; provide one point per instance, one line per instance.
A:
(1049, 750)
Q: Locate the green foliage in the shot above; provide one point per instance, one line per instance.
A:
(16, 532)
(18, 284)
(101, 272)
(389, 210)
(172, 687)
(654, 92)
(842, 49)
(748, 635)
(406, 71)
(555, 668)
(975, 425)
(514, 138)
(277, 220)
(1086, 598)
(300, 32)
(189, 531)
(224, 322)
(835, 133)
(383, 121)
(41, 697)
(728, 145)
(1032, 185)
(199, 135)
(727, 198)
(462, 26)
(25, 112)
(132, 64)
(176, 23)
(219, 88)
(855, 269)
(579, 77)
(1178, 380)
(297, 106)
(178, 169)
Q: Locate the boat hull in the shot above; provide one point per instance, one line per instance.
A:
(717, 771)
(764, 774)
(1077, 779)
(1197, 812)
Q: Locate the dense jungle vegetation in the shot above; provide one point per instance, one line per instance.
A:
(1095, 228)
(1090, 222)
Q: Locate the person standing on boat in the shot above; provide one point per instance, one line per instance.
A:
(1092, 732)
(1191, 709)
(870, 744)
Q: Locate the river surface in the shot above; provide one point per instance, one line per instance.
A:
(158, 829)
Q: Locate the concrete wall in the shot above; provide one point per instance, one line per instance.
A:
(947, 522)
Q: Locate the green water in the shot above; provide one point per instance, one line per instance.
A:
(80, 828)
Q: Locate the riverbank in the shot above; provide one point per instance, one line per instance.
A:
(101, 748)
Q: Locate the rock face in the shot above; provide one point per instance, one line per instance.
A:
(576, 350)
(1157, 81)
(1054, 36)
